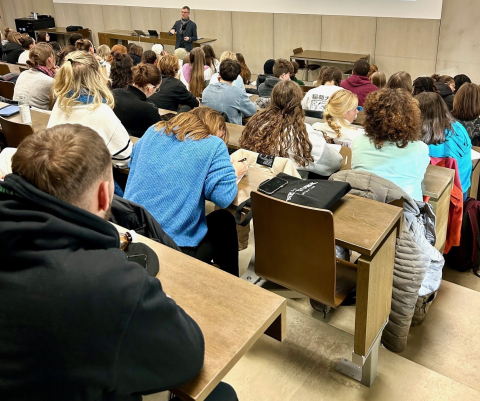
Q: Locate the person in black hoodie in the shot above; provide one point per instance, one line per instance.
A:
(446, 88)
(13, 48)
(281, 72)
(173, 92)
(78, 321)
(267, 71)
(131, 106)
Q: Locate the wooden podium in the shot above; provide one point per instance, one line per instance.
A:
(113, 36)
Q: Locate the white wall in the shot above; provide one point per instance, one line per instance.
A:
(422, 9)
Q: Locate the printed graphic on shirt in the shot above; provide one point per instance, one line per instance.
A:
(265, 160)
(318, 102)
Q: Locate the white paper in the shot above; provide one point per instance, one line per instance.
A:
(338, 148)
(475, 154)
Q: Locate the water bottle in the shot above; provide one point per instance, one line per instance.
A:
(24, 108)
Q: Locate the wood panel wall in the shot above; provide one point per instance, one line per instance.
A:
(419, 46)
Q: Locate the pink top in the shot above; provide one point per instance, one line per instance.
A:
(187, 71)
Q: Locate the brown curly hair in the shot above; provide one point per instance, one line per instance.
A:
(391, 115)
(279, 129)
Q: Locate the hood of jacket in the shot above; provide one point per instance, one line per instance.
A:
(271, 81)
(35, 221)
(358, 80)
(443, 89)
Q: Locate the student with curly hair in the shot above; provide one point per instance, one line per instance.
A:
(423, 84)
(391, 147)
(340, 113)
(445, 136)
(280, 130)
(466, 109)
(121, 70)
(317, 98)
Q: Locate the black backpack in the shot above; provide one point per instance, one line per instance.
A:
(466, 256)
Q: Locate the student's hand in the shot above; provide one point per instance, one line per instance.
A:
(186, 38)
(240, 168)
(173, 31)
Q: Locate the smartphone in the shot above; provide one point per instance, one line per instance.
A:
(9, 111)
(273, 185)
(140, 259)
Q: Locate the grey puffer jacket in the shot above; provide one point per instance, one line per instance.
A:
(418, 264)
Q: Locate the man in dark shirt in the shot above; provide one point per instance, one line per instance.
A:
(78, 321)
(185, 29)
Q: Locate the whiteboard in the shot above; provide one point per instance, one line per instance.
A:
(421, 9)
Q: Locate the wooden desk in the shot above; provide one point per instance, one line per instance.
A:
(437, 184)
(370, 228)
(111, 38)
(13, 67)
(231, 313)
(39, 119)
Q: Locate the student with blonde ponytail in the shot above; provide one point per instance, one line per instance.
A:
(36, 83)
(131, 105)
(195, 74)
(339, 114)
(83, 97)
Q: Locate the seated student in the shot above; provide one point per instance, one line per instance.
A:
(340, 113)
(391, 147)
(246, 73)
(12, 50)
(149, 57)
(379, 79)
(424, 84)
(103, 51)
(460, 80)
(280, 130)
(317, 98)
(131, 106)
(358, 82)
(195, 73)
(373, 70)
(401, 79)
(294, 73)
(116, 49)
(43, 37)
(73, 38)
(238, 81)
(267, 72)
(158, 50)
(176, 166)
(81, 320)
(120, 70)
(211, 58)
(444, 136)
(27, 44)
(36, 82)
(466, 109)
(223, 96)
(446, 88)
(281, 72)
(83, 97)
(180, 53)
(136, 53)
(62, 54)
(173, 92)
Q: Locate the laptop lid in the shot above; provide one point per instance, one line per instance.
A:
(139, 32)
(153, 32)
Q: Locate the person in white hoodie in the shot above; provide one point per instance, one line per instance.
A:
(340, 112)
(317, 98)
(280, 130)
(83, 97)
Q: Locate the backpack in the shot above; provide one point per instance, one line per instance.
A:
(466, 256)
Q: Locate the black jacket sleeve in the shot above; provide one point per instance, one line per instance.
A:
(163, 347)
(194, 32)
(185, 97)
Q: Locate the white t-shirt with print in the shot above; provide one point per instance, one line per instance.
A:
(317, 98)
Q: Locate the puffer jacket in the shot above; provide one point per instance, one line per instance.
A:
(446, 93)
(418, 264)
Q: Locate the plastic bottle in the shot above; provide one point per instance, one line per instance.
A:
(24, 108)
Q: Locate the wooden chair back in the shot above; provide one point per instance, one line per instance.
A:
(4, 69)
(15, 132)
(295, 248)
(306, 88)
(297, 50)
(6, 89)
(85, 33)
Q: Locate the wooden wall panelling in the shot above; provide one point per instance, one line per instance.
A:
(91, 16)
(253, 37)
(116, 17)
(9, 14)
(66, 14)
(218, 25)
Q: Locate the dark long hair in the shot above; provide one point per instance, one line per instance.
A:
(121, 71)
(436, 119)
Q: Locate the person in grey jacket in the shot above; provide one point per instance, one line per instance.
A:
(280, 130)
(281, 72)
(224, 97)
(185, 29)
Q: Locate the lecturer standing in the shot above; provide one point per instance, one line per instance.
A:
(185, 29)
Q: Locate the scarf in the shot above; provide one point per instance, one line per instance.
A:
(184, 25)
(44, 70)
(85, 97)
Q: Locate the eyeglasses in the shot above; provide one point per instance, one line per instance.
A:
(156, 89)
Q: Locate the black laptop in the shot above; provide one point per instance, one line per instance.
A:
(153, 32)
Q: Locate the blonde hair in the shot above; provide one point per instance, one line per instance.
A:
(228, 55)
(338, 104)
(181, 53)
(103, 51)
(197, 124)
(79, 75)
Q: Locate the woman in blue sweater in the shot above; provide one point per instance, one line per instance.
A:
(175, 167)
(445, 136)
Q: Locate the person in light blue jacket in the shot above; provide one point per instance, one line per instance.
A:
(445, 136)
(225, 97)
(175, 167)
